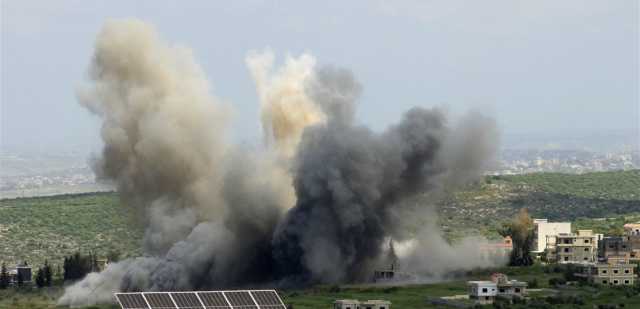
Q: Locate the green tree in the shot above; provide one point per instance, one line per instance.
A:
(48, 274)
(40, 280)
(77, 266)
(4, 277)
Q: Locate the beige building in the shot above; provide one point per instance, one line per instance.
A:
(543, 228)
(366, 304)
(580, 247)
(609, 273)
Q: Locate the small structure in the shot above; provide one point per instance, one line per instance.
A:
(102, 263)
(346, 304)
(632, 229)
(375, 304)
(22, 274)
(509, 288)
(356, 304)
(483, 292)
(502, 248)
(610, 273)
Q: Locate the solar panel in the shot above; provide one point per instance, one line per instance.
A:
(159, 300)
(257, 299)
(241, 299)
(131, 301)
(267, 299)
(213, 300)
(187, 300)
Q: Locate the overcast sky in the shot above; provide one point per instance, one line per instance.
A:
(537, 66)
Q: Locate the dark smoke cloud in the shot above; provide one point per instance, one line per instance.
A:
(221, 216)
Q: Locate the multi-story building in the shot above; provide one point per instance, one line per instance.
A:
(609, 273)
(580, 247)
(615, 248)
(544, 228)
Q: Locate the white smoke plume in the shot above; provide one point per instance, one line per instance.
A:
(316, 206)
(286, 108)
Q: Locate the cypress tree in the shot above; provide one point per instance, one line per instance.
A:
(4, 277)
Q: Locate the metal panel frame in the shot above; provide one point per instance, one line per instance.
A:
(197, 293)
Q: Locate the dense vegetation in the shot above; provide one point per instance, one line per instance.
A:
(35, 229)
(484, 205)
(52, 228)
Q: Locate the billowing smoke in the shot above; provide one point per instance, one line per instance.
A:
(317, 204)
(287, 108)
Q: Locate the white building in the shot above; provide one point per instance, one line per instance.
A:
(484, 292)
(544, 228)
(346, 304)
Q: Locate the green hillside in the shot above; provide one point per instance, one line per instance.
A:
(565, 197)
(35, 229)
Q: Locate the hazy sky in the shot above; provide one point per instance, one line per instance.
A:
(535, 65)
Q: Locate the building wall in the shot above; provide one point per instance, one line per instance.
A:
(483, 289)
(544, 229)
(576, 248)
(621, 274)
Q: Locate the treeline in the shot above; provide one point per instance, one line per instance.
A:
(75, 267)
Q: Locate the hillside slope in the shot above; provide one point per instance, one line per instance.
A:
(546, 195)
(35, 229)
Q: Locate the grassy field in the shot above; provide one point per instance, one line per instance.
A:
(35, 229)
(402, 297)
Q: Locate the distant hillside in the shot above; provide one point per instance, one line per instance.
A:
(546, 195)
(35, 229)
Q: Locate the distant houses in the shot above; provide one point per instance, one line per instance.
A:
(601, 259)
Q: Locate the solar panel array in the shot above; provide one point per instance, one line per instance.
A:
(245, 299)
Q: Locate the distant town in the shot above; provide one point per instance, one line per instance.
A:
(42, 175)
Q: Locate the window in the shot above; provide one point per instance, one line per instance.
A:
(615, 281)
(484, 290)
(566, 258)
(517, 290)
(626, 281)
(586, 241)
(615, 271)
(566, 249)
(586, 259)
(604, 281)
(586, 249)
(501, 290)
(626, 271)
(486, 297)
(604, 271)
